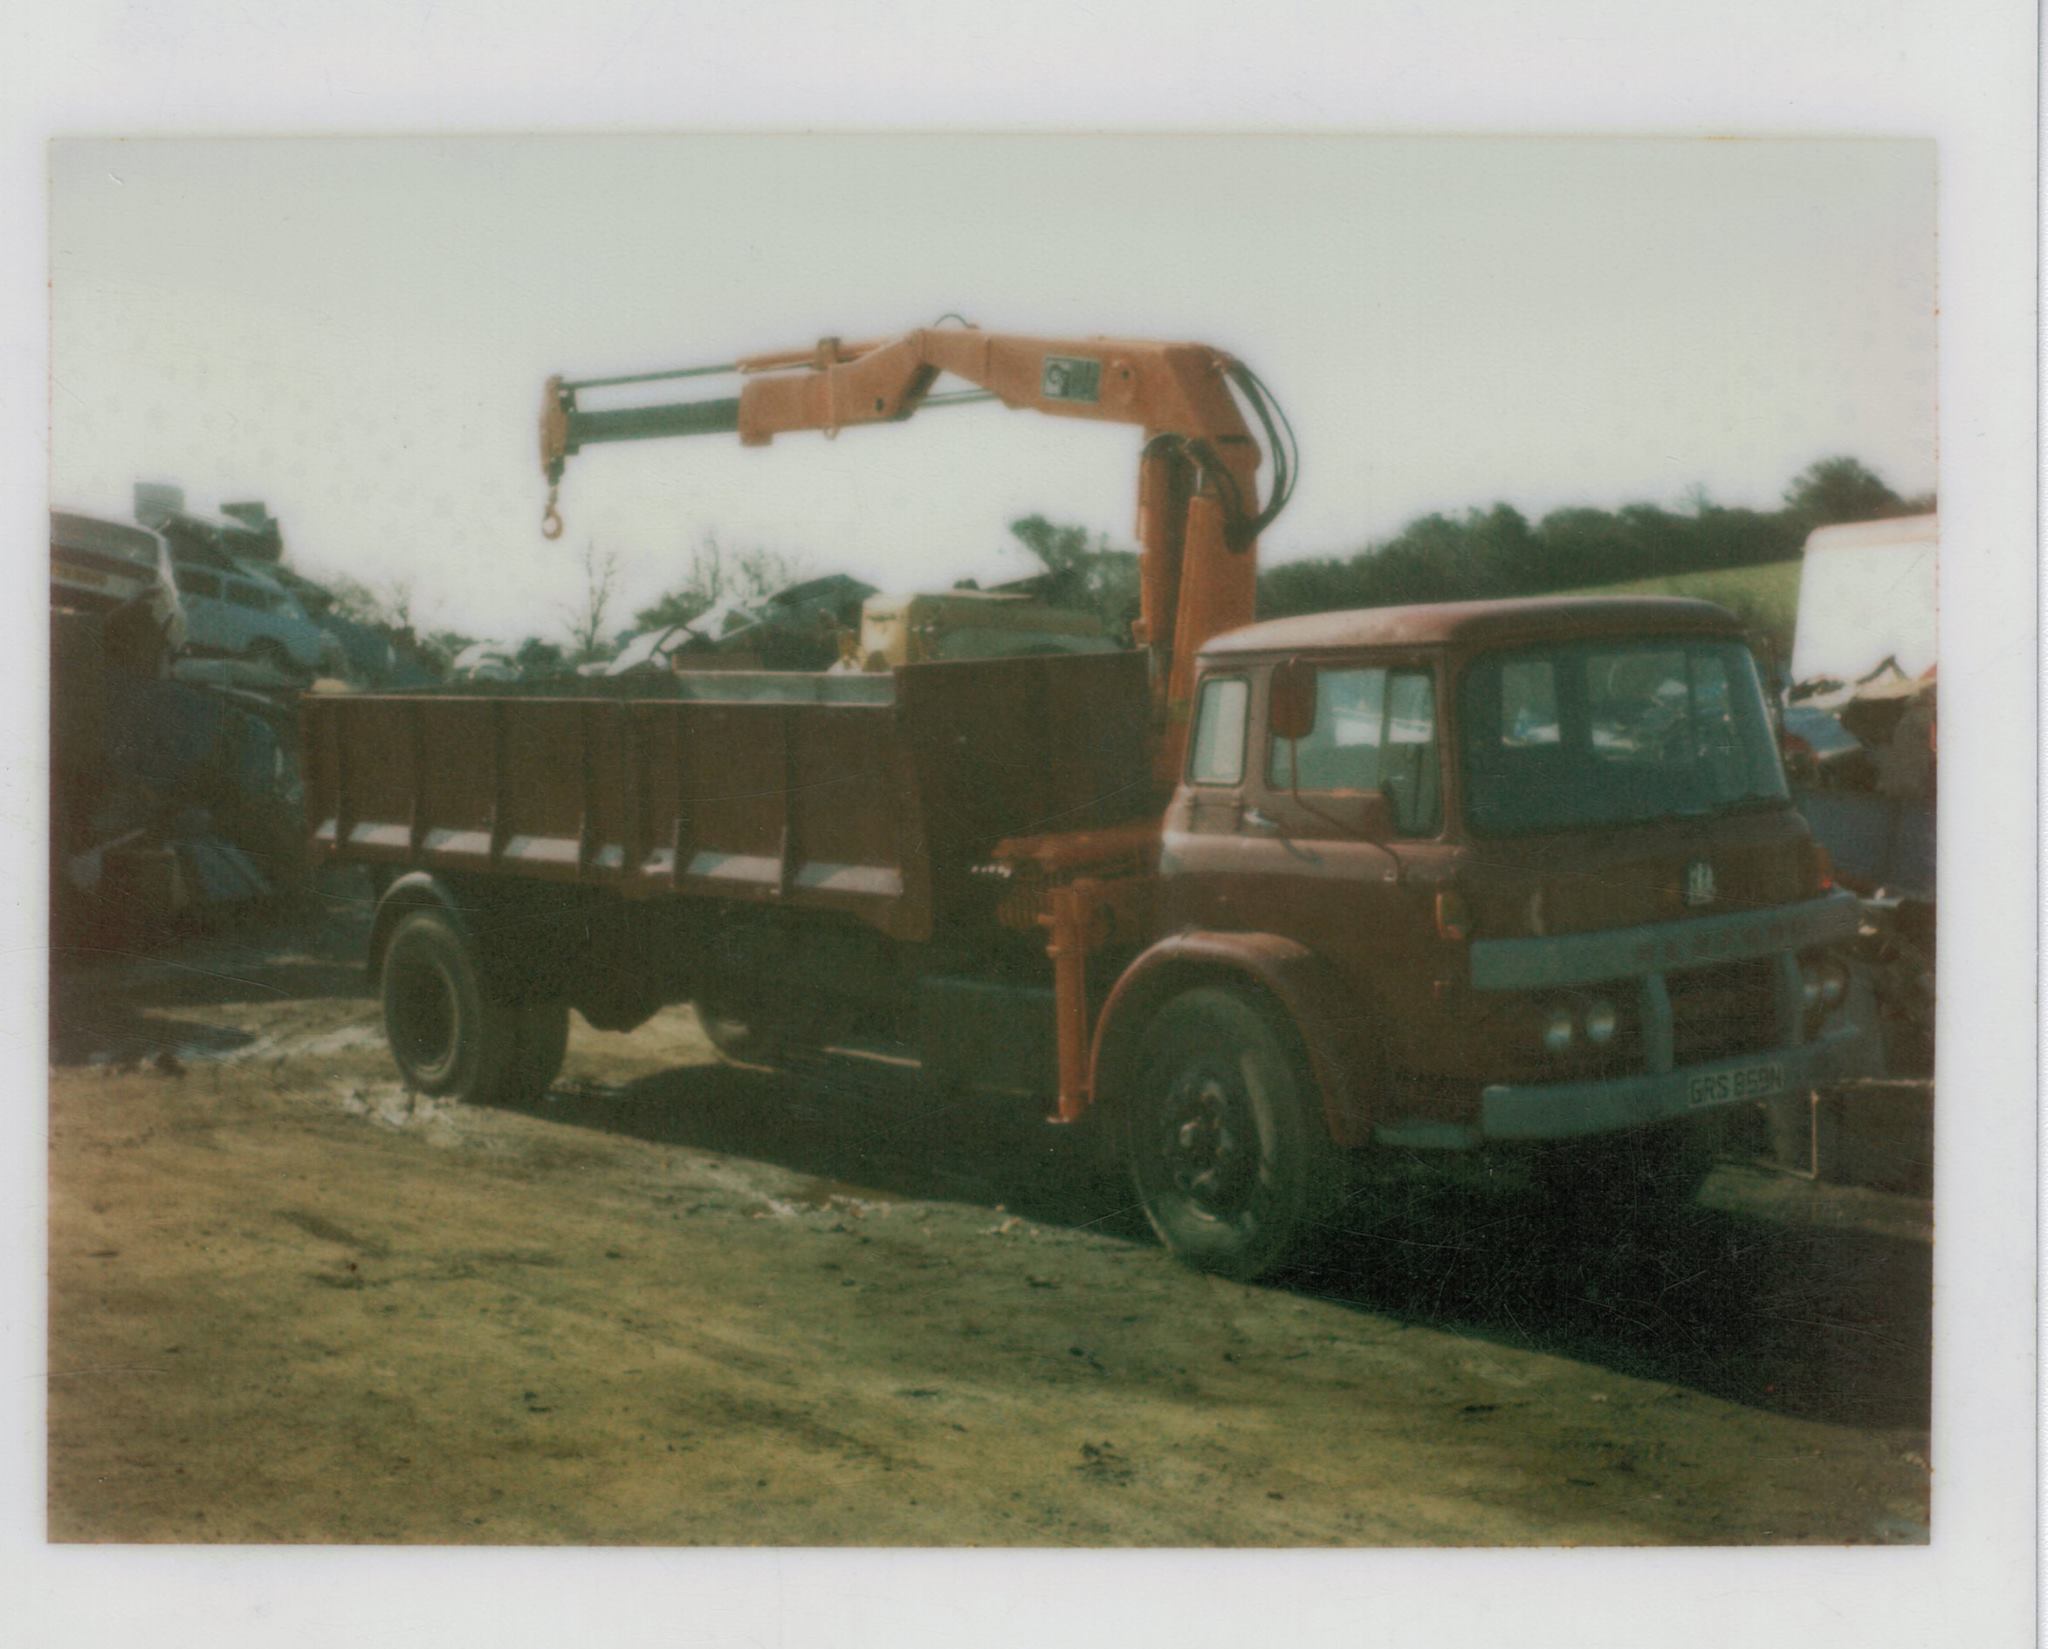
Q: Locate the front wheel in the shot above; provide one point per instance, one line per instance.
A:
(1225, 1139)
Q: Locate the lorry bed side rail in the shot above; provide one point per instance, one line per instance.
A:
(875, 810)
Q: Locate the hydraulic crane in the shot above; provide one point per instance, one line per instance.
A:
(1199, 516)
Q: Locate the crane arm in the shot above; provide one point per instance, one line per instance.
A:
(1198, 513)
(1167, 388)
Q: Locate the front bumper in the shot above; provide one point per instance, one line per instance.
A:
(1846, 1045)
(1572, 1110)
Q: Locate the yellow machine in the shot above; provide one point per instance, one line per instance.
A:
(957, 624)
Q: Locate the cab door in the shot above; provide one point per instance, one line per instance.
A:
(1285, 836)
(1349, 821)
(1203, 849)
(1369, 767)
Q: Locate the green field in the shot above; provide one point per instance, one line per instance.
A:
(1765, 598)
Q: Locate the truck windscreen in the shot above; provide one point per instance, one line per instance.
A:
(1612, 733)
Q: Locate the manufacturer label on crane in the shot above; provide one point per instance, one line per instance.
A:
(1071, 378)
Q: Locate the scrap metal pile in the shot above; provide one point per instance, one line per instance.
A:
(178, 646)
(170, 803)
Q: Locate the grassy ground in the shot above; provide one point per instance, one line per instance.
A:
(684, 1303)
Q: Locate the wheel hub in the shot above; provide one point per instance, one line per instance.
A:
(1207, 1143)
(423, 1021)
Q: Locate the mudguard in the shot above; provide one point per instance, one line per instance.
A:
(415, 890)
(1337, 1031)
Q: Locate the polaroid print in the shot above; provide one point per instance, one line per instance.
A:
(725, 875)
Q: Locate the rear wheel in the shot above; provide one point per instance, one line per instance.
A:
(452, 1035)
(1225, 1140)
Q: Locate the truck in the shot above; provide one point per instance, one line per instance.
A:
(1859, 725)
(1256, 903)
(1859, 720)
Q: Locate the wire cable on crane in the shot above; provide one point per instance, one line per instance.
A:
(1286, 453)
(1244, 523)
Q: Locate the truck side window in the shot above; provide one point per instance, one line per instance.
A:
(1342, 750)
(1375, 730)
(1410, 773)
(1216, 753)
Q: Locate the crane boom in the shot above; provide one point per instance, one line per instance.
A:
(1198, 512)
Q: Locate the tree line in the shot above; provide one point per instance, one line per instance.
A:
(1473, 555)
(1498, 552)
(1495, 552)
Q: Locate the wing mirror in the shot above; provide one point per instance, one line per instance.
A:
(1291, 700)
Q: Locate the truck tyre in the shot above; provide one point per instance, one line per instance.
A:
(452, 1035)
(1225, 1138)
(540, 1039)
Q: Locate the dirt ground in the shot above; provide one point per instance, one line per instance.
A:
(677, 1302)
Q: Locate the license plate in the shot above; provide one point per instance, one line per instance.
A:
(1726, 1087)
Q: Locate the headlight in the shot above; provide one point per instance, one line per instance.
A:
(1601, 1023)
(1834, 983)
(1557, 1031)
(1823, 984)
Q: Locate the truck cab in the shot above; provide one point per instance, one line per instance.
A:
(1539, 858)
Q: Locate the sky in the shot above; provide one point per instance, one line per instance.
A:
(357, 332)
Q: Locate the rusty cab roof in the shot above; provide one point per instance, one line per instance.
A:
(1479, 623)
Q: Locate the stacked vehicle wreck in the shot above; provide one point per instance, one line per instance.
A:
(179, 644)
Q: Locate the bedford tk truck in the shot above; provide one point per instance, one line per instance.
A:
(1519, 876)
(1254, 900)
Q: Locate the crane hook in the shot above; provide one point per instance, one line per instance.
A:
(551, 517)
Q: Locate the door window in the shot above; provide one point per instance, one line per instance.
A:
(1375, 729)
(1216, 753)
(1409, 772)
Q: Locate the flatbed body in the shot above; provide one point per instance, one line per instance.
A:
(876, 797)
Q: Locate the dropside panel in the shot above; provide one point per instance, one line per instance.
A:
(855, 795)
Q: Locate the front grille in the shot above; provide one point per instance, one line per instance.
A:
(1720, 1012)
